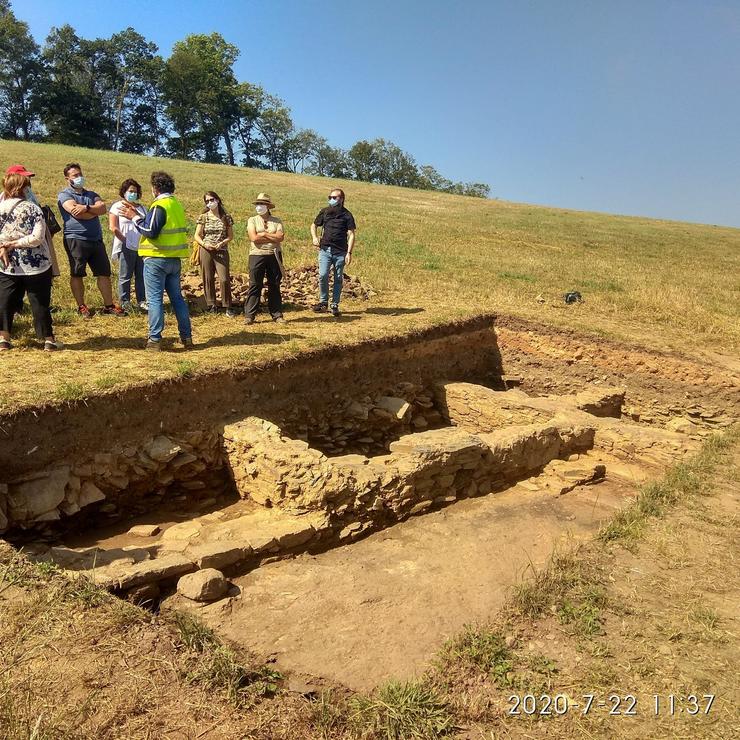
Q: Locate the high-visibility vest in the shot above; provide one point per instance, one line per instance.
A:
(172, 241)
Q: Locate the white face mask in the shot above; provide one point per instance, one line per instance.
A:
(262, 210)
(213, 205)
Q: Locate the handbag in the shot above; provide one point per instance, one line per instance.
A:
(51, 220)
(195, 255)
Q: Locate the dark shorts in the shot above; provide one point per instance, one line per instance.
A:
(82, 253)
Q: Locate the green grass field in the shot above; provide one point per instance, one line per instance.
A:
(431, 256)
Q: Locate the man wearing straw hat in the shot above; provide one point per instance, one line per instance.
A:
(265, 259)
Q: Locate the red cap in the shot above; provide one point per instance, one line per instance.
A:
(18, 169)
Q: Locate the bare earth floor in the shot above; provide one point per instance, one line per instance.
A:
(381, 607)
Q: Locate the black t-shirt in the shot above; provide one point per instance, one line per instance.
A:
(336, 222)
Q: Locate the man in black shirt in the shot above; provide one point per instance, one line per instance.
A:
(335, 248)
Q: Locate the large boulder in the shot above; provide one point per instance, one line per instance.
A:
(34, 496)
(203, 585)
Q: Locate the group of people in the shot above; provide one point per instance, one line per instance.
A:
(149, 245)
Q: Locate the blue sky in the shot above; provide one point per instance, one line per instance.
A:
(625, 107)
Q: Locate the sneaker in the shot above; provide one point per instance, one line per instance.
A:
(279, 320)
(144, 306)
(84, 311)
(53, 345)
(230, 313)
(5, 345)
(335, 310)
(188, 343)
(127, 307)
(319, 308)
(153, 345)
(114, 310)
(249, 320)
(212, 309)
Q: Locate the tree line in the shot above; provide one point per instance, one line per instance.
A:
(120, 94)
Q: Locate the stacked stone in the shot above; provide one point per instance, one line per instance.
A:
(110, 485)
(277, 471)
(424, 469)
(366, 425)
(299, 287)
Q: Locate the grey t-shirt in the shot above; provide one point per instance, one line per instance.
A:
(86, 229)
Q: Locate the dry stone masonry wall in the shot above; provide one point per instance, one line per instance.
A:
(111, 485)
(296, 498)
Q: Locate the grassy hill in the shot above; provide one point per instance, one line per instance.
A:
(431, 256)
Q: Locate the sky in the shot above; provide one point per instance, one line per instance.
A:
(628, 107)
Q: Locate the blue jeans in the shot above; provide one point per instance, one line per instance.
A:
(163, 274)
(130, 265)
(327, 263)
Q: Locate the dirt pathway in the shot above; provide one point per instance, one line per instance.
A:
(381, 608)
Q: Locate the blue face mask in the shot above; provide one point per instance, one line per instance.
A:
(78, 181)
(30, 195)
(333, 202)
(132, 197)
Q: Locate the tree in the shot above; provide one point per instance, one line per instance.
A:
(73, 111)
(363, 161)
(21, 78)
(250, 102)
(394, 166)
(202, 96)
(328, 161)
(275, 127)
(302, 148)
(136, 93)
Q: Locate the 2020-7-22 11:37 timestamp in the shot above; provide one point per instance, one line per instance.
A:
(616, 705)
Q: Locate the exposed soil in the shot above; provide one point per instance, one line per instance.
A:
(539, 358)
(381, 607)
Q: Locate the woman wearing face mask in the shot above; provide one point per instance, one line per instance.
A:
(126, 246)
(25, 262)
(265, 259)
(214, 231)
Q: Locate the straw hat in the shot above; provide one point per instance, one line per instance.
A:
(263, 199)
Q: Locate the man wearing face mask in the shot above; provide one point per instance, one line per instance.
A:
(83, 241)
(335, 248)
(163, 247)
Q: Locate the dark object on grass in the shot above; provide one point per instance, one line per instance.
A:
(573, 297)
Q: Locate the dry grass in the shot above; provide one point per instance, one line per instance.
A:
(432, 256)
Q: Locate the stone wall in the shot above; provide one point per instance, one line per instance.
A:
(366, 424)
(110, 485)
(423, 469)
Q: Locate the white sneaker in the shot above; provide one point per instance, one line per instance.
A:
(144, 306)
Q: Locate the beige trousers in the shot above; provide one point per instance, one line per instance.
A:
(210, 264)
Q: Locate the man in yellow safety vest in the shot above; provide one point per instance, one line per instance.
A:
(164, 245)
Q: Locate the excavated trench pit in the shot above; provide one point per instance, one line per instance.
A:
(304, 484)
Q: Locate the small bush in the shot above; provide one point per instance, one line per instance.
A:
(185, 368)
(70, 391)
(194, 634)
(483, 650)
(401, 710)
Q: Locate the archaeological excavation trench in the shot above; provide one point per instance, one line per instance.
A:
(304, 508)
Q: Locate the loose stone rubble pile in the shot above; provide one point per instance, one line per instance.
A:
(299, 287)
(296, 498)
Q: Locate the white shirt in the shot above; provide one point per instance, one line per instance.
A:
(127, 228)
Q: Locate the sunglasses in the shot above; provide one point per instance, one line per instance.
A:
(211, 200)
